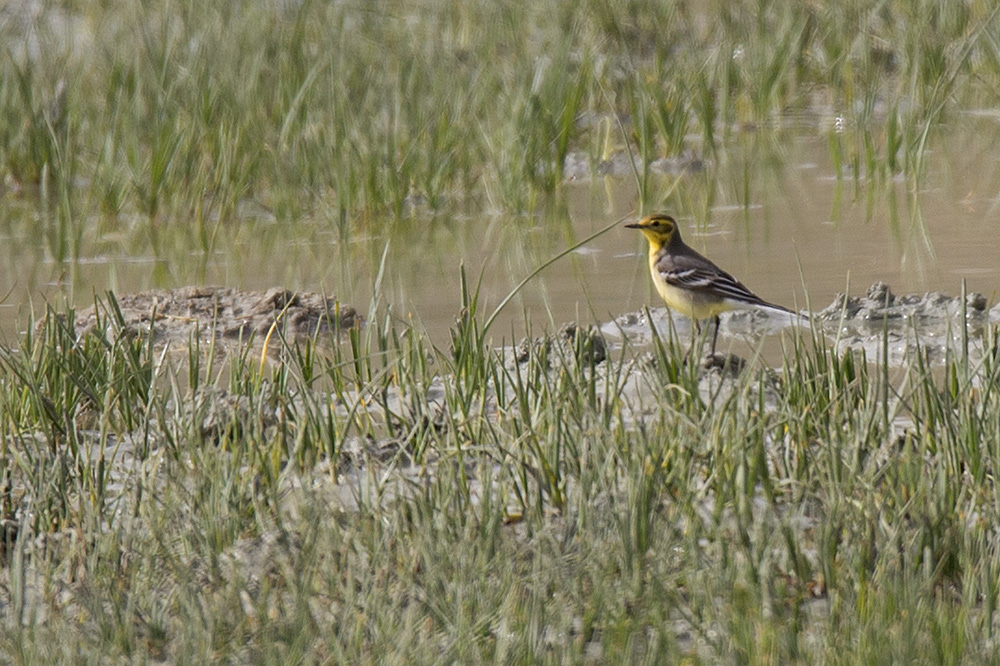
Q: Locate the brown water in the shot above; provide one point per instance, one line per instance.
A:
(802, 230)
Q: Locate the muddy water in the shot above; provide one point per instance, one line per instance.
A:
(777, 217)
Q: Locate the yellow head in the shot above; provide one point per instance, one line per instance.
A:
(659, 230)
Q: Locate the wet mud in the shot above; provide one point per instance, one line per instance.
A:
(934, 322)
(178, 315)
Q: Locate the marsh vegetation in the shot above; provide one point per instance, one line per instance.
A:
(380, 493)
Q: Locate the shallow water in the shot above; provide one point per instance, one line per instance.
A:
(777, 217)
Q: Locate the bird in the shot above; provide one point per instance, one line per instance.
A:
(690, 283)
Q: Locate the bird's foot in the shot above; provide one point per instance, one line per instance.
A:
(724, 363)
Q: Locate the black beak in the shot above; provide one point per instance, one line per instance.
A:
(633, 226)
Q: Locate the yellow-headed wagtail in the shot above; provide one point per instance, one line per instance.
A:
(690, 283)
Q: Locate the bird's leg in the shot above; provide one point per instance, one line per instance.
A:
(715, 336)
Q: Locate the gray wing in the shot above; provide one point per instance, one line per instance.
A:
(700, 275)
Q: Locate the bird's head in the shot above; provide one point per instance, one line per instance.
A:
(659, 229)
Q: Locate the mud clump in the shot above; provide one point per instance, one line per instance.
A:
(584, 344)
(220, 312)
(880, 306)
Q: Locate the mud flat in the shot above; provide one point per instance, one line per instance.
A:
(218, 312)
(932, 321)
(557, 433)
